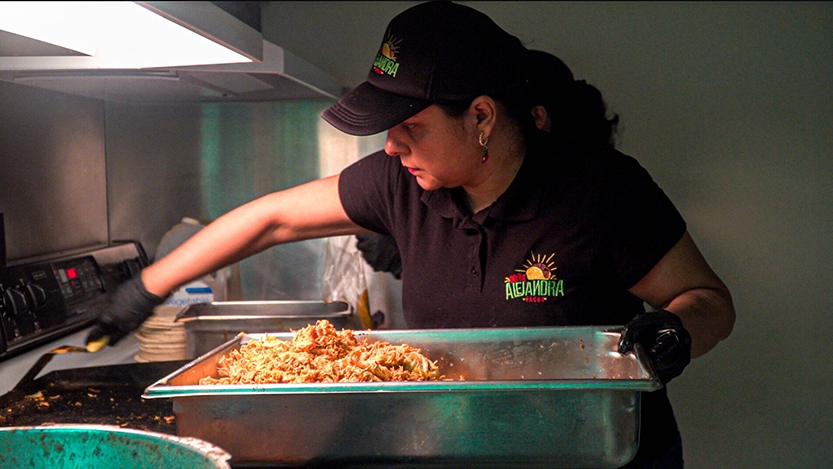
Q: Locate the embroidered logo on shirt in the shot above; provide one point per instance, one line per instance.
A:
(385, 63)
(535, 282)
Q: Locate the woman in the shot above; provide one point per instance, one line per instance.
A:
(561, 105)
(480, 202)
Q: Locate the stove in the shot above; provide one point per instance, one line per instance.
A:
(47, 298)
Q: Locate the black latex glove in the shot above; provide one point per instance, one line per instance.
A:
(123, 311)
(381, 252)
(664, 338)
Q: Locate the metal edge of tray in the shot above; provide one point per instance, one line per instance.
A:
(163, 389)
(272, 309)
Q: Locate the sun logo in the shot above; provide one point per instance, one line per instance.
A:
(390, 47)
(538, 267)
(535, 282)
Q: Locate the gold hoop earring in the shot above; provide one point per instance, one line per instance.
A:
(484, 146)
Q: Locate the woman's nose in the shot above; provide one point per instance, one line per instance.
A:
(393, 146)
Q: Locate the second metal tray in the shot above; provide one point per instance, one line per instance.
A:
(208, 325)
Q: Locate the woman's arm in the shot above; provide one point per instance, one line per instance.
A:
(684, 284)
(311, 210)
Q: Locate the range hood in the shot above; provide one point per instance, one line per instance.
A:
(274, 75)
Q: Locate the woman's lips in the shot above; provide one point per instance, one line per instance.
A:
(411, 169)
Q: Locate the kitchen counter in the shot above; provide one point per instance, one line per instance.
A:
(97, 395)
(13, 369)
(102, 388)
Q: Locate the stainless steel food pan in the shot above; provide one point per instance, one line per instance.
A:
(531, 397)
(208, 325)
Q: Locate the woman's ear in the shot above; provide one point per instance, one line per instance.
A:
(484, 110)
(542, 121)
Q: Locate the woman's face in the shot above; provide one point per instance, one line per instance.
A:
(440, 151)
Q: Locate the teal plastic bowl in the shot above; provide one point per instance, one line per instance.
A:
(69, 446)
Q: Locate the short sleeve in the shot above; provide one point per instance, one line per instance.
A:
(636, 222)
(366, 189)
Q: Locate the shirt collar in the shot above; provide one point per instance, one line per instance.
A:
(444, 201)
(522, 199)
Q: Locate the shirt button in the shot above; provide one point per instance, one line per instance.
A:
(474, 270)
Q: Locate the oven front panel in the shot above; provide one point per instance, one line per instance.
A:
(46, 299)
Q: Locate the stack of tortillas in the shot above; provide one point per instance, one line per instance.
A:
(161, 338)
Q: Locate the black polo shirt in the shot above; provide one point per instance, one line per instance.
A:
(577, 227)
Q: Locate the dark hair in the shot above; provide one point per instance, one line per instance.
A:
(514, 100)
(584, 116)
(576, 108)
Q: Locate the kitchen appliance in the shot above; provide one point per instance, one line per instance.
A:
(275, 74)
(2, 241)
(46, 298)
(531, 398)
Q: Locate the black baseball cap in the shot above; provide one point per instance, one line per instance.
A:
(434, 52)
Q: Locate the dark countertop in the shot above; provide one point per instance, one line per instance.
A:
(107, 395)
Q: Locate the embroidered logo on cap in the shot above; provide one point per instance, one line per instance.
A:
(385, 63)
(535, 282)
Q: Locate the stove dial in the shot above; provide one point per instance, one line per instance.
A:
(15, 301)
(38, 295)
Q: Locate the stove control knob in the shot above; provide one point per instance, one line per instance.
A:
(38, 295)
(132, 267)
(15, 301)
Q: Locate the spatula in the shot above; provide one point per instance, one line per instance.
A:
(47, 357)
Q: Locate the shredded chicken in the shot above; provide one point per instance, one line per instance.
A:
(321, 354)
